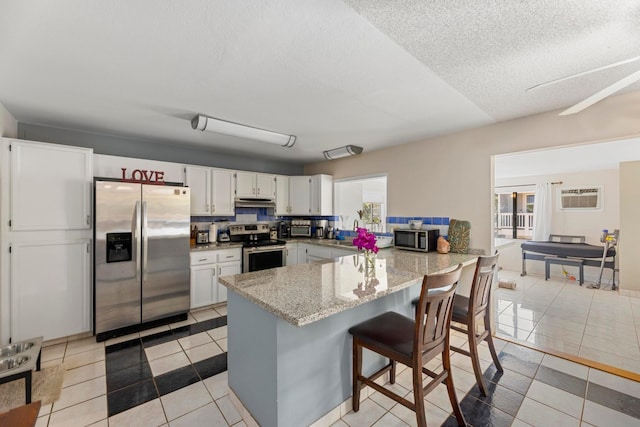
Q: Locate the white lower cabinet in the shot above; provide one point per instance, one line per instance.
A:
(206, 268)
(291, 254)
(317, 252)
(50, 292)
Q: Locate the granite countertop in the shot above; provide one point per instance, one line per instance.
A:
(215, 246)
(305, 293)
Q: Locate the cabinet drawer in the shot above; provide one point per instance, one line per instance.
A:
(228, 255)
(199, 258)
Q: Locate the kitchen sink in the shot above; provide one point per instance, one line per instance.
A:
(13, 362)
(14, 349)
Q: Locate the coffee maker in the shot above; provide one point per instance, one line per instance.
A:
(284, 230)
(329, 233)
(321, 228)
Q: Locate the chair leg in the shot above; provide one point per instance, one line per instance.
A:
(489, 339)
(446, 364)
(418, 394)
(392, 372)
(475, 362)
(357, 370)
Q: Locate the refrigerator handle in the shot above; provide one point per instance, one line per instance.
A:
(145, 241)
(136, 235)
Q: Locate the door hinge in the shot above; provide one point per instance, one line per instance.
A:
(9, 249)
(9, 150)
(88, 219)
(9, 223)
(88, 249)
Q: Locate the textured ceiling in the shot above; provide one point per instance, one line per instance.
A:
(371, 73)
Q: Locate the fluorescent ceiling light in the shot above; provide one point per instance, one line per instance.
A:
(347, 150)
(211, 124)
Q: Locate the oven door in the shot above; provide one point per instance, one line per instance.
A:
(262, 257)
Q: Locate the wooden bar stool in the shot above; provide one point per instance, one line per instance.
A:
(467, 311)
(412, 343)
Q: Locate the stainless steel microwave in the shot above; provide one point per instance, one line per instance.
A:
(416, 240)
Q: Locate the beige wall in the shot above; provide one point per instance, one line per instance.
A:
(8, 125)
(630, 228)
(452, 175)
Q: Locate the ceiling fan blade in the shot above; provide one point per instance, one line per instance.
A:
(584, 73)
(599, 96)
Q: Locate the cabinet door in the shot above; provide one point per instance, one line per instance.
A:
(222, 194)
(199, 180)
(291, 254)
(318, 252)
(321, 195)
(50, 187)
(299, 193)
(245, 184)
(265, 186)
(50, 284)
(302, 253)
(282, 195)
(204, 281)
(226, 269)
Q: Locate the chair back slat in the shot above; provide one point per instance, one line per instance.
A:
(434, 310)
(481, 287)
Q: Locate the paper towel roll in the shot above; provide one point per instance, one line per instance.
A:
(213, 233)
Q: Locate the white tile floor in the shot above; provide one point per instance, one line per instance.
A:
(208, 403)
(559, 314)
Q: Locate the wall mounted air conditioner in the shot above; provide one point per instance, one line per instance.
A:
(583, 198)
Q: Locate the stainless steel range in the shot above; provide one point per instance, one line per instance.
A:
(259, 251)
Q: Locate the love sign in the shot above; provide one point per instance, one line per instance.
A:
(143, 176)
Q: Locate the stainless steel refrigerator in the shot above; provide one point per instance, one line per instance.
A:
(141, 255)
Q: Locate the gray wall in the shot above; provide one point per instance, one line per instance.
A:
(117, 146)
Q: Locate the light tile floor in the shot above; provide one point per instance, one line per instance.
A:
(536, 389)
(559, 314)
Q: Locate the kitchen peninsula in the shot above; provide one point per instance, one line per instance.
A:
(289, 352)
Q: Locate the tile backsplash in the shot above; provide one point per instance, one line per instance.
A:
(248, 215)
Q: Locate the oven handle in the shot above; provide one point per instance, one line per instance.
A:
(265, 249)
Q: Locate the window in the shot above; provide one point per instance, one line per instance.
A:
(361, 202)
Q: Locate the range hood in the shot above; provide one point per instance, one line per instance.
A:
(245, 202)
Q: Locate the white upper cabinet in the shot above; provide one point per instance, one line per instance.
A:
(199, 180)
(251, 184)
(321, 195)
(222, 195)
(211, 190)
(311, 195)
(299, 195)
(50, 186)
(282, 195)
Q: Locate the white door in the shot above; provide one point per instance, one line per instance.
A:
(226, 269)
(266, 186)
(50, 187)
(50, 289)
(282, 195)
(222, 192)
(291, 254)
(299, 195)
(199, 180)
(203, 285)
(245, 184)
